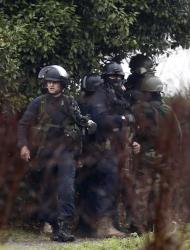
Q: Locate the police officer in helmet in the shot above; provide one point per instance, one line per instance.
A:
(141, 67)
(98, 189)
(140, 64)
(113, 76)
(53, 122)
(150, 112)
(91, 82)
(106, 109)
(152, 88)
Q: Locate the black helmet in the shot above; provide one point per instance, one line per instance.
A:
(151, 84)
(140, 64)
(113, 68)
(91, 82)
(54, 73)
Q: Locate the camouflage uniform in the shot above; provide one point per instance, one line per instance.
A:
(147, 165)
(143, 173)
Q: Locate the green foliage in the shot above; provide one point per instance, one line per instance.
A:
(161, 24)
(10, 98)
(80, 35)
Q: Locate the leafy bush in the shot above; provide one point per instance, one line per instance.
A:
(80, 35)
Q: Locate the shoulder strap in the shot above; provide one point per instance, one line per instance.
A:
(42, 104)
(66, 104)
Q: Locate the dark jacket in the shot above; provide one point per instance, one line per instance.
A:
(101, 106)
(53, 117)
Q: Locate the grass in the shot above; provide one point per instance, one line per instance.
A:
(21, 240)
(26, 240)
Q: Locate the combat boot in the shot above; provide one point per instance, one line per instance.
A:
(62, 232)
(106, 229)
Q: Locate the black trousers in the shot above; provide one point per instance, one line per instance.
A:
(98, 190)
(57, 176)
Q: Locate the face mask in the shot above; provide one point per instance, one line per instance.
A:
(115, 80)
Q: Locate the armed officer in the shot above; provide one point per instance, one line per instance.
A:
(103, 101)
(141, 67)
(151, 115)
(99, 186)
(55, 121)
(125, 143)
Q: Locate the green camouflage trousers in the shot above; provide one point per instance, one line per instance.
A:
(146, 191)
